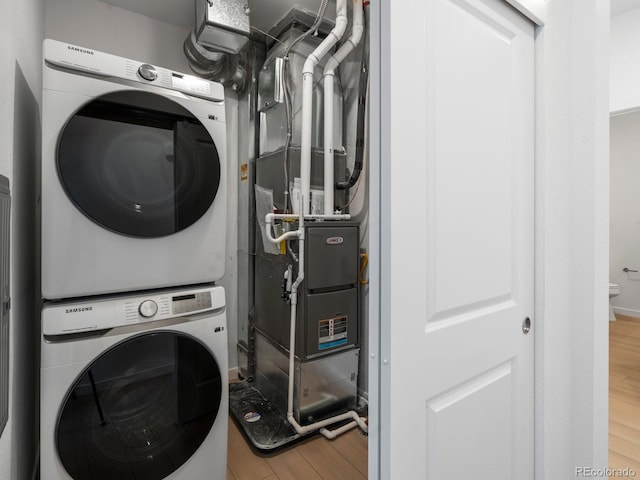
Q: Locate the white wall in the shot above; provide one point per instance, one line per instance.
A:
(97, 25)
(625, 211)
(103, 27)
(572, 238)
(625, 61)
(624, 164)
(21, 30)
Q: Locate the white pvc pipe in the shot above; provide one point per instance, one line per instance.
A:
(302, 430)
(328, 143)
(307, 100)
(329, 78)
(331, 434)
(270, 217)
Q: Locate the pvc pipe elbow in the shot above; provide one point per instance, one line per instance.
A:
(358, 24)
(328, 43)
(268, 222)
(330, 67)
(331, 434)
(296, 284)
(351, 43)
(341, 19)
(309, 65)
(356, 34)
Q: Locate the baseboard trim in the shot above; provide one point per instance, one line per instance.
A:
(627, 318)
(627, 312)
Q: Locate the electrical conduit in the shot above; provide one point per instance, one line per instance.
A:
(307, 100)
(329, 77)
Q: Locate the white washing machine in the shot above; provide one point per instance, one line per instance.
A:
(135, 387)
(133, 175)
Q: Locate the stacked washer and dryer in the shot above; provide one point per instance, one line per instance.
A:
(134, 340)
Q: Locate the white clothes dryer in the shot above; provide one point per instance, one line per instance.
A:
(135, 387)
(133, 175)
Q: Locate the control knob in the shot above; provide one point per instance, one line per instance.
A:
(148, 308)
(148, 72)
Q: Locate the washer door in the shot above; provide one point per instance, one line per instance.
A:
(140, 410)
(138, 164)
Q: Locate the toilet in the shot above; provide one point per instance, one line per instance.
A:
(614, 290)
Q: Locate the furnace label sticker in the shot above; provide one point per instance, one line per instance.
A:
(332, 332)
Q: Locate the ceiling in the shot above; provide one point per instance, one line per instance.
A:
(621, 6)
(264, 13)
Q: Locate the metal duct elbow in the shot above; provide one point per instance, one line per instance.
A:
(231, 70)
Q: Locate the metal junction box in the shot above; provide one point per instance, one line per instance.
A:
(222, 24)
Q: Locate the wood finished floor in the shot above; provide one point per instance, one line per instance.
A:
(344, 458)
(624, 393)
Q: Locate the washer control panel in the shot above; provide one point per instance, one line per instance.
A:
(100, 314)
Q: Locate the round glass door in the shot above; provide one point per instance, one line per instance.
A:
(140, 410)
(138, 164)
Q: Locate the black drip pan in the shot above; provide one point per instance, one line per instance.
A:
(265, 426)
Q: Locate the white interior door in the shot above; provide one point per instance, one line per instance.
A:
(457, 367)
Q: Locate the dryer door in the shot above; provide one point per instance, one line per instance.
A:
(138, 164)
(140, 410)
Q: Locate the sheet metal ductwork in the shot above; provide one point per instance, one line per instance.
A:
(218, 48)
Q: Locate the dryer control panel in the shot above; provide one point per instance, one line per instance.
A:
(87, 60)
(90, 314)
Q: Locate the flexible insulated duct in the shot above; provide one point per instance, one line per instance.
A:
(231, 70)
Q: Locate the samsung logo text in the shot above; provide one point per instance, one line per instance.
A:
(78, 309)
(81, 50)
